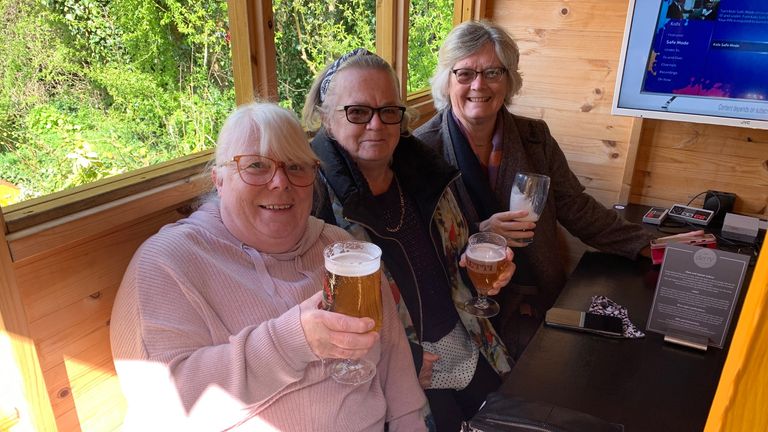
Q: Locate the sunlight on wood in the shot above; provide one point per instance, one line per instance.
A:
(739, 404)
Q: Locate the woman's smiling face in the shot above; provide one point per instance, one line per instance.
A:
(480, 100)
(270, 217)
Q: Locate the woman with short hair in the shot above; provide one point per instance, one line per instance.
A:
(216, 325)
(475, 79)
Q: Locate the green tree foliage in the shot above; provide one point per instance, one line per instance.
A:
(92, 88)
(430, 22)
(310, 34)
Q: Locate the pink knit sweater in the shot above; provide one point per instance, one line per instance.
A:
(206, 335)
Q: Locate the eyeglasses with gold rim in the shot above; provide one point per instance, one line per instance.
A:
(258, 170)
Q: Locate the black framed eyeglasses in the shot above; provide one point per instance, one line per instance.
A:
(362, 114)
(257, 170)
(466, 76)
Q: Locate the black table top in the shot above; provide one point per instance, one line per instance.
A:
(647, 385)
(644, 384)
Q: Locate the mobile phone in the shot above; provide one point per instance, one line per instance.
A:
(571, 319)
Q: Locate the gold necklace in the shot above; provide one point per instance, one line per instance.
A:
(402, 209)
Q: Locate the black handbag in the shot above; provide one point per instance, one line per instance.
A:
(509, 414)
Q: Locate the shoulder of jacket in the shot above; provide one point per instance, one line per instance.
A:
(531, 131)
(530, 125)
(431, 129)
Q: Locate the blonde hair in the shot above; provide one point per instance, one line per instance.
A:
(263, 128)
(317, 106)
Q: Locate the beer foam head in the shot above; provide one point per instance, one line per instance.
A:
(486, 252)
(352, 264)
(352, 258)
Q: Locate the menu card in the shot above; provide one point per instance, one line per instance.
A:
(696, 292)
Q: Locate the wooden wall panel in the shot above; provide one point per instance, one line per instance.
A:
(553, 14)
(100, 405)
(23, 384)
(73, 384)
(676, 161)
(58, 235)
(568, 57)
(739, 403)
(59, 280)
(96, 308)
(68, 295)
(68, 272)
(559, 43)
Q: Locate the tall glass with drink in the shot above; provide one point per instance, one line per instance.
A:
(486, 257)
(529, 192)
(352, 287)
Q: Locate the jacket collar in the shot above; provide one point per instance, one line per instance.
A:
(421, 171)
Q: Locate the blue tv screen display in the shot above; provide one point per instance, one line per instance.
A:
(695, 60)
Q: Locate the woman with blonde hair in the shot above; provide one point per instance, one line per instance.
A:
(216, 324)
(385, 186)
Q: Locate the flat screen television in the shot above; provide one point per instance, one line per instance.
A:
(695, 60)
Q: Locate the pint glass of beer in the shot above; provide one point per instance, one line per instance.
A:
(352, 287)
(486, 257)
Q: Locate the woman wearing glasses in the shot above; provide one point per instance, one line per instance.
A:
(476, 77)
(216, 325)
(387, 187)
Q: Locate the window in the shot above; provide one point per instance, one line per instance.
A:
(429, 23)
(90, 89)
(94, 88)
(309, 34)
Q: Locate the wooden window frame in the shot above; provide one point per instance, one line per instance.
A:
(255, 77)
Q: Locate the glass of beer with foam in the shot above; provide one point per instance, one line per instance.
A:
(352, 286)
(486, 257)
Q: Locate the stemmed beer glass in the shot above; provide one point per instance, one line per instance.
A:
(352, 286)
(529, 192)
(486, 257)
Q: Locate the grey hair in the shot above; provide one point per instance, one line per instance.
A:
(316, 110)
(464, 40)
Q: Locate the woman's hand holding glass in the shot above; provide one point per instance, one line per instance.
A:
(352, 286)
(508, 224)
(526, 203)
(529, 193)
(489, 263)
(505, 275)
(334, 335)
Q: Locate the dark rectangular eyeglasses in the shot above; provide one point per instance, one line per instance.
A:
(361, 114)
(466, 76)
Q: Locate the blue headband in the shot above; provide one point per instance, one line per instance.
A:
(335, 67)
